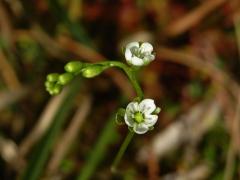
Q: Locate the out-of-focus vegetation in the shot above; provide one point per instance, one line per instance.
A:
(194, 79)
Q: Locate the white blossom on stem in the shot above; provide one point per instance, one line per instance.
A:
(142, 116)
(139, 54)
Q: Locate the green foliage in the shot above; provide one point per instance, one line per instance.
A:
(195, 89)
(75, 29)
(215, 149)
(99, 151)
(67, 165)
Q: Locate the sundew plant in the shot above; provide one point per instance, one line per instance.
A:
(141, 114)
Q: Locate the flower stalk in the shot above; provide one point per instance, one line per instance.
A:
(121, 151)
(141, 114)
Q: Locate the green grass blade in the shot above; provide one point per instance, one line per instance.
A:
(108, 136)
(75, 29)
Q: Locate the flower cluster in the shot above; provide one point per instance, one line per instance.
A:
(141, 116)
(55, 81)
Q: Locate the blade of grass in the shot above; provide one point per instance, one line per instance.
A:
(75, 29)
(43, 149)
(108, 136)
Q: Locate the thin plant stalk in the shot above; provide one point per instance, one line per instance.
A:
(122, 151)
(131, 75)
(129, 72)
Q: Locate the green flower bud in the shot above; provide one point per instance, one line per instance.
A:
(51, 92)
(56, 89)
(92, 71)
(52, 77)
(73, 67)
(49, 89)
(65, 78)
(49, 84)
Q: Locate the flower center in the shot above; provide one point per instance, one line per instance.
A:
(138, 117)
(137, 52)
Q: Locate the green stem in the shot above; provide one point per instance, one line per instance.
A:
(132, 77)
(129, 72)
(122, 151)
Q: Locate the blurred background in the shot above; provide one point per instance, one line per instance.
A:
(194, 79)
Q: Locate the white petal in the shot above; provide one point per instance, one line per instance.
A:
(146, 47)
(128, 120)
(132, 44)
(148, 58)
(147, 106)
(140, 128)
(136, 61)
(150, 120)
(128, 54)
(132, 107)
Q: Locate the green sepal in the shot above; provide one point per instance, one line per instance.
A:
(157, 110)
(53, 77)
(123, 49)
(120, 116)
(130, 129)
(121, 112)
(151, 128)
(65, 78)
(137, 99)
(140, 43)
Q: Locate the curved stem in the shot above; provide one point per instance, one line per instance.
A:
(129, 72)
(131, 75)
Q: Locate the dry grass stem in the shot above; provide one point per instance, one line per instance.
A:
(5, 25)
(193, 18)
(10, 97)
(42, 124)
(200, 171)
(192, 61)
(8, 73)
(70, 134)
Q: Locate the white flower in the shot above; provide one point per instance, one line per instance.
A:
(141, 116)
(139, 54)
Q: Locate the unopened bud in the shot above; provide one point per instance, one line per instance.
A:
(73, 67)
(65, 78)
(52, 77)
(56, 89)
(92, 71)
(49, 84)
